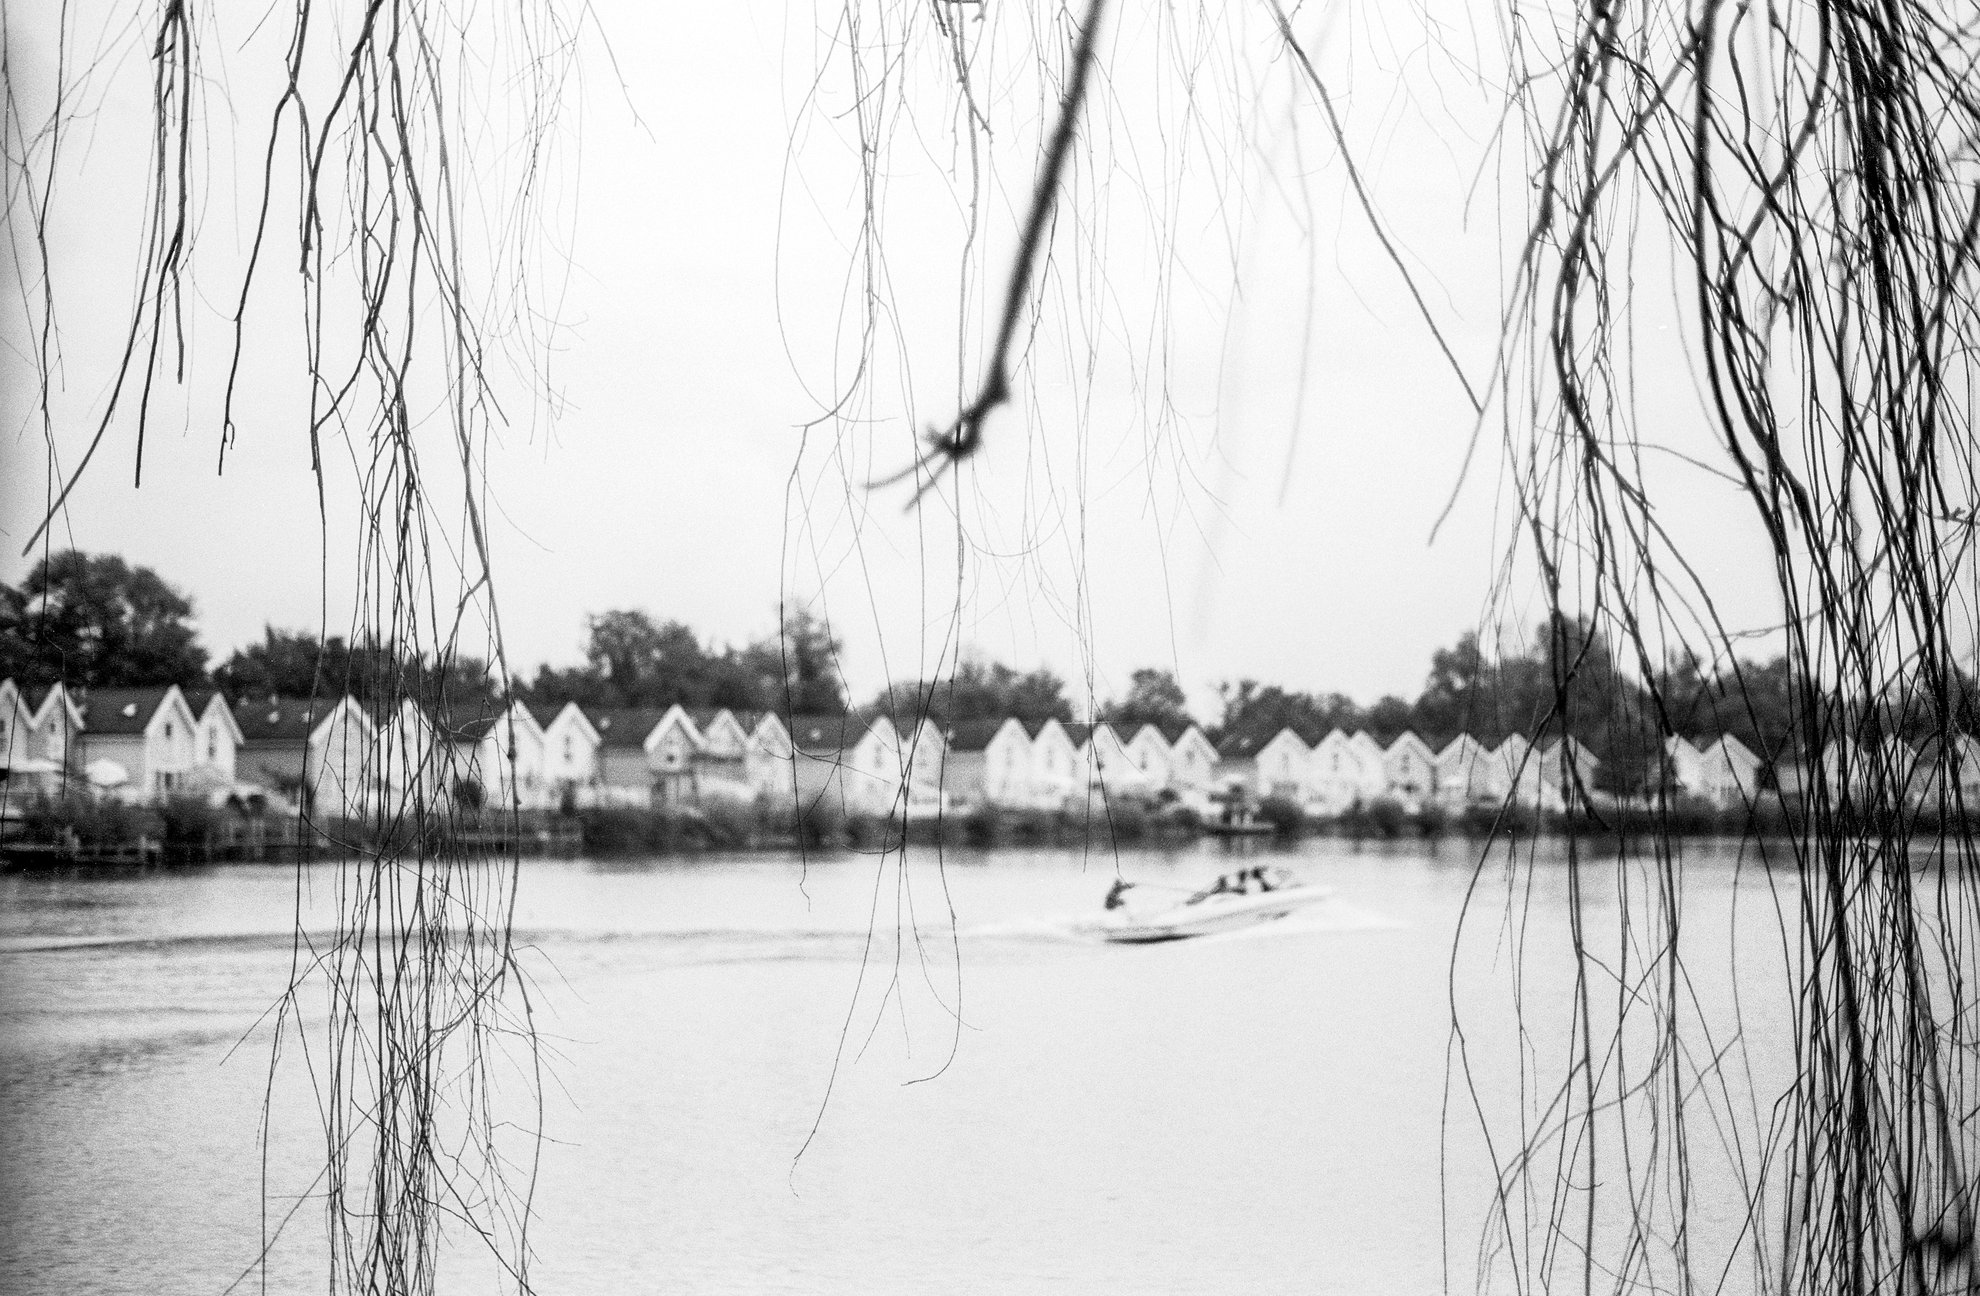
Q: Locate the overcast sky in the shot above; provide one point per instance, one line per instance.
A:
(1227, 457)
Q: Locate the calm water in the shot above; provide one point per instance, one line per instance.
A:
(1265, 1111)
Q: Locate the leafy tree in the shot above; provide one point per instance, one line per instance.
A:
(1251, 707)
(797, 672)
(95, 621)
(295, 663)
(1153, 697)
(979, 690)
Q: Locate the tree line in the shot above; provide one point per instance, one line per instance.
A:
(96, 621)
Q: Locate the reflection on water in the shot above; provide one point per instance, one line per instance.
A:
(1255, 1110)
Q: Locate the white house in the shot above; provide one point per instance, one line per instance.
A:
(16, 728)
(671, 749)
(1724, 772)
(625, 777)
(1511, 768)
(1149, 751)
(1109, 769)
(342, 765)
(872, 769)
(148, 736)
(1466, 774)
(767, 758)
(58, 722)
(572, 770)
(1409, 770)
(1284, 767)
(499, 752)
(1347, 772)
(217, 736)
(721, 762)
(1192, 761)
(414, 769)
(988, 762)
(1557, 775)
(1055, 768)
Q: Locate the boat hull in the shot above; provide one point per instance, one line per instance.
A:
(1205, 917)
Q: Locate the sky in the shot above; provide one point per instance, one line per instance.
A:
(1233, 438)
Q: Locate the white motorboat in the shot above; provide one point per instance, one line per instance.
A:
(1233, 902)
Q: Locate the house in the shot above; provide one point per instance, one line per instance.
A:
(1109, 769)
(721, 762)
(988, 762)
(1149, 750)
(625, 777)
(1192, 761)
(1345, 772)
(217, 736)
(1409, 770)
(1724, 772)
(1055, 769)
(412, 768)
(1509, 768)
(280, 748)
(923, 755)
(1237, 760)
(1465, 775)
(671, 748)
(1557, 775)
(844, 764)
(1284, 767)
(57, 727)
(1845, 769)
(492, 756)
(572, 769)
(140, 744)
(767, 758)
(16, 728)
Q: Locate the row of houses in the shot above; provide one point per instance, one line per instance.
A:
(343, 758)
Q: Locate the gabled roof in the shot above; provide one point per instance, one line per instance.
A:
(125, 710)
(545, 716)
(1242, 745)
(201, 701)
(475, 720)
(281, 719)
(625, 726)
(824, 735)
(37, 701)
(975, 735)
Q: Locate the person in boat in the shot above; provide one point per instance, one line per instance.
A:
(1117, 894)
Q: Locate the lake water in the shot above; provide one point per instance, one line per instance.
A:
(846, 1075)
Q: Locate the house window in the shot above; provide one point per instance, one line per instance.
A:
(213, 749)
(168, 728)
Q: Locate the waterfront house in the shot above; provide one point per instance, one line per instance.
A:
(625, 778)
(1346, 772)
(217, 735)
(321, 752)
(1558, 775)
(1285, 767)
(843, 764)
(671, 748)
(16, 729)
(1465, 774)
(1370, 757)
(412, 768)
(988, 762)
(1108, 767)
(1237, 761)
(1724, 772)
(1055, 770)
(572, 771)
(1409, 770)
(58, 722)
(149, 736)
(1846, 770)
(1192, 761)
(493, 757)
(1510, 768)
(767, 759)
(923, 755)
(720, 762)
(1149, 750)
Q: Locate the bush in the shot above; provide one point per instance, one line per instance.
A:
(92, 821)
(189, 825)
(1284, 814)
(1432, 820)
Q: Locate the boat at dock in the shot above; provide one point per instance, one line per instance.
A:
(1235, 901)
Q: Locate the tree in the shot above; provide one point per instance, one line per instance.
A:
(798, 670)
(93, 621)
(1153, 697)
(978, 690)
